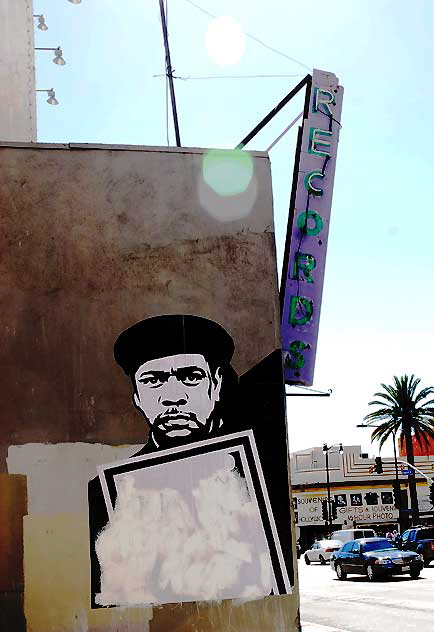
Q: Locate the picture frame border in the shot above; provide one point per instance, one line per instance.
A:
(244, 440)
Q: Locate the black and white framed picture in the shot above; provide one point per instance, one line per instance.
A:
(341, 500)
(356, 500)
(386, 498)
(203, 531)
(371, 498)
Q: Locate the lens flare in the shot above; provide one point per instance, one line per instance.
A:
(227, 188)
(225, 41)
(227, 171)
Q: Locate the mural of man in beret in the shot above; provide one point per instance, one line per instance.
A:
(177, 366)
(185, 388)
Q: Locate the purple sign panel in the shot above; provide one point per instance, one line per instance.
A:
(308, 226)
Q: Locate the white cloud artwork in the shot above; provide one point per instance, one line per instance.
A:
(185, 531)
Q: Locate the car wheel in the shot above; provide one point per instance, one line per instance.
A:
(414, 574)
(321, 560)
(425, 561)
(370, 573)
(307, 560)
(340, 573)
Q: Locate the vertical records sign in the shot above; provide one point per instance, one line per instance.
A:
(308, 225)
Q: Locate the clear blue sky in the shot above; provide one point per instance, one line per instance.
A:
(379, 297)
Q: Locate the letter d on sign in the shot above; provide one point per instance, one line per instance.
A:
(300, 310)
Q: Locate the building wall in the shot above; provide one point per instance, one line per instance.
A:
(308, 466)
(17, 72)
(94, 239)
(425, 449)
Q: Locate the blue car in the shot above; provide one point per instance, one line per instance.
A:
(375, 558)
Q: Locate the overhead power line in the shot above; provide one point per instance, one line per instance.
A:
(187, 78)
(254, 38)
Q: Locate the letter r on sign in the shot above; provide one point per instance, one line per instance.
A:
(324, 97)
(303, 266)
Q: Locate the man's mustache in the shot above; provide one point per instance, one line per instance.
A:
(175, 417)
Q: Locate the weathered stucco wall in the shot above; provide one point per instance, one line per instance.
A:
(17, 72)
(94, 239)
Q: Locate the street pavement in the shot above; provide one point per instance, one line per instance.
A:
(397, 604)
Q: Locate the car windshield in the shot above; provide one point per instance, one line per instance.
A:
(377, 545)
(426, 534)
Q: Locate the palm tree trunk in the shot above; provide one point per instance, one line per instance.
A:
(411, 479)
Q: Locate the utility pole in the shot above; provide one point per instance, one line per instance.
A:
(398, 498)
(169, 73)
(329, 506)
(326, 449)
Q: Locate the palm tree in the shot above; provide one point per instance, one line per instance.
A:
(401, 409)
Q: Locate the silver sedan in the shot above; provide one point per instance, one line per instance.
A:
(320, 551)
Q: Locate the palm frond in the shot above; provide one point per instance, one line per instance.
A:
(423, 394)
(387, 397)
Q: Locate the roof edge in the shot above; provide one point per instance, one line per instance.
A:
(146, 148)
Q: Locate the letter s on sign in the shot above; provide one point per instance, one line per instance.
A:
(295, 357)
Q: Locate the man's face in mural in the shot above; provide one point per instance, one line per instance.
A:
(177, 396)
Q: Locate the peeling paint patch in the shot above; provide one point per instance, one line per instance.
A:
(57, 474)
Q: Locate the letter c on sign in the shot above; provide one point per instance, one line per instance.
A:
(308, 182)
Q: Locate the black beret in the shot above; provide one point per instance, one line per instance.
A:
(169, 335)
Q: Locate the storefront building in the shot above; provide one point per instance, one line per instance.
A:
(361, 497)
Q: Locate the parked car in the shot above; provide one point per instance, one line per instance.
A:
(421, 540)
(375, 557)
(345, 535)
(320, 551)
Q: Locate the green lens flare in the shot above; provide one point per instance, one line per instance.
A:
(227, 171)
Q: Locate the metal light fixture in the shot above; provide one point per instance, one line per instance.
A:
(51, 96)
(75, 1)
(41, 23)
(58, 59)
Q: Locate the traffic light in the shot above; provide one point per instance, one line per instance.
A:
(378, 465)
(431, 493)
(334, 510)
(325, 514)
(396, 494)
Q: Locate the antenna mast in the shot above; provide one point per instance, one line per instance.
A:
(169, 73)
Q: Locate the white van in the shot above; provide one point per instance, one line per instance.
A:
(345, 535)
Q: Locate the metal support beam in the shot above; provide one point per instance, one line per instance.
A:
(307, 79)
